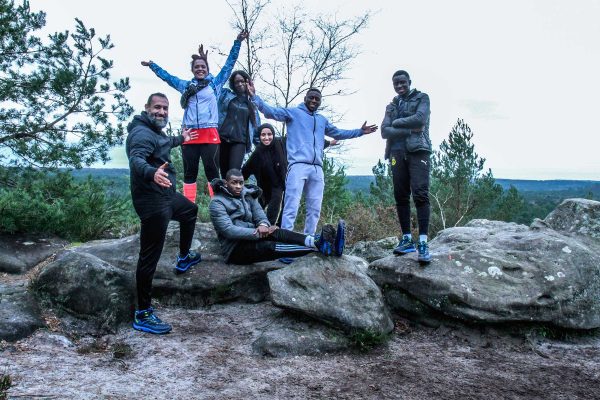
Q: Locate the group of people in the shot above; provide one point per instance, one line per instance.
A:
(220, 126)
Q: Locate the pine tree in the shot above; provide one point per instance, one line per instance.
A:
(58, 104)
(460, 190)
(382, 190)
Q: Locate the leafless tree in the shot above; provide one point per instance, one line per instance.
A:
(298, 50)
(249, 15)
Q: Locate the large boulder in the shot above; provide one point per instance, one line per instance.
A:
(333, 290)
(497, 272)
(211, 281)
(372, 251)
(96, 280)
(19, 312)
(289, 336)
(18, 254)
(576, 216)
(87, 286)
(123, 253)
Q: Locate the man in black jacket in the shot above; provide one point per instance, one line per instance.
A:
(408, 147)
(156, 202)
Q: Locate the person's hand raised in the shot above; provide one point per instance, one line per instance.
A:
(251, 88)
(242, 35)
(366, 129)
(147, 63)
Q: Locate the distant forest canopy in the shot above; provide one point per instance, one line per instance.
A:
(575, 188)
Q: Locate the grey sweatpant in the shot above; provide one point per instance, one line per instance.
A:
(309, 179)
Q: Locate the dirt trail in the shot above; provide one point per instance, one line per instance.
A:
(209, 356)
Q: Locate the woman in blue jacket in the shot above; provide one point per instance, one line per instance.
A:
(199, 100)
(238, 119)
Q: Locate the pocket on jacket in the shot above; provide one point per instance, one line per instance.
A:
(415, 142)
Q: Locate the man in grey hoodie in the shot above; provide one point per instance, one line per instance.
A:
(245, 234)
(306, 131)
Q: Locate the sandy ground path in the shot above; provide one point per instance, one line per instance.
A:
(209, 356)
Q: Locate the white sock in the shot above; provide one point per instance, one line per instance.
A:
(422, 238)
(309, 241)
(407, 236)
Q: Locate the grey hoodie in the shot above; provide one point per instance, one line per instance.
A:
(235, 218)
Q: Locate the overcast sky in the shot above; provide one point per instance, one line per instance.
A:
(522, 73)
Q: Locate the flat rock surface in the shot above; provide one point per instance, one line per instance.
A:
(209, 355)
(372, 251)
(491, 271)
(19, 253)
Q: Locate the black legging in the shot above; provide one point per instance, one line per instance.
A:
(191, 154)
(231, 155)
(281, 243)
(152, 239)
(410, 175)
(271, 200)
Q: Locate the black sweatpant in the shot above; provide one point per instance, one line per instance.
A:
(191, 154)
(231, 155)
(281, 243)
(410, 175)
(152, 239)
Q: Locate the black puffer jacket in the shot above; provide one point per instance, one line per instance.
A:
(406, 123)
(147, 149)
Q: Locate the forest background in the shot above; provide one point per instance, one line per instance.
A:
(61, 110)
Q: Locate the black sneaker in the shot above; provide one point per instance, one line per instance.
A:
(325, 242)
(340, 238)
(405, 246)
(185, 263)
(146, 321)
(424, 256)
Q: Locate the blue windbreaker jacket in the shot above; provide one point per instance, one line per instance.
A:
(202, 111)
(306, 131)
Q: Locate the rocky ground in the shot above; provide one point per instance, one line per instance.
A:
(269, 331)
(209, 355)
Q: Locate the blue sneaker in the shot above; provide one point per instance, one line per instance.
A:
(286, 260)
(146, 321)
(185, 263)
(405, 246)
(326, 240)
(340, 238)
(424, 256)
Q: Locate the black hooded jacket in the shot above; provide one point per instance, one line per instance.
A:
(147, 149)
(268, 164)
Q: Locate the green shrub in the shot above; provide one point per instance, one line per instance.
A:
(5, 384)
(365, 340)
(56, 203)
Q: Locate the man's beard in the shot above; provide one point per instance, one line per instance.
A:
(160, 123)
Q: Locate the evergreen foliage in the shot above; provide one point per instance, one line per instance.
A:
(383, 188)
(35, 201)
(460, 190)
(58, 104)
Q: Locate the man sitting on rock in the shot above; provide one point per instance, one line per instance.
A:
(156, 202)
(245, 234)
